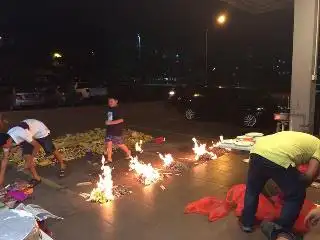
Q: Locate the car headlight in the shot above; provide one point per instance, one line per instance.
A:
(172, 93)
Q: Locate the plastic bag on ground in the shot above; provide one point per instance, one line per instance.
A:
(203, 206)
(235, 197)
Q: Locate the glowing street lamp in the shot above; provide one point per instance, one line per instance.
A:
(57, 55)
(221, 19)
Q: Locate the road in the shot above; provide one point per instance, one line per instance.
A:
(149, 212)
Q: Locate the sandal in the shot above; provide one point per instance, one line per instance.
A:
(34, 182)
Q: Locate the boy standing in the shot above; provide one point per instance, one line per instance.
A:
(114, 122)
(31, 135)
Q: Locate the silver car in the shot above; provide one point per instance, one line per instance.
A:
(27, 97)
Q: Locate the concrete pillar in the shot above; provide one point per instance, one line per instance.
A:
(304, 64)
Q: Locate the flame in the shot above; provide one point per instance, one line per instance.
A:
(104, 185)
(138, 146)
(201, 150)
(167, 159)
(145, 172)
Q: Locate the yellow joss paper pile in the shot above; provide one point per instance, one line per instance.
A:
(75, 146)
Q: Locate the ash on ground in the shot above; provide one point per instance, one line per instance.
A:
(177, 167)
(120, 190)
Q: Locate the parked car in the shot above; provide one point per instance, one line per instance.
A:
(180, 93)
(27, 96)
(89, 90)
(248, 107)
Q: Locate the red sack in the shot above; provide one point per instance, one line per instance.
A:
(210, 206)
(235, 196)
(299, 226)
(219, 212)
(203, 206)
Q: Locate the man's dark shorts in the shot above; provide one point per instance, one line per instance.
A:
(46, 143)
(118, 140)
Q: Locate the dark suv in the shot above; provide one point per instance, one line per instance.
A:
(247, 107)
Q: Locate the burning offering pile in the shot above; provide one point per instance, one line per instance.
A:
(201, 152)
(104, 190)
(171, 165)
(138, 147)
(145, 172)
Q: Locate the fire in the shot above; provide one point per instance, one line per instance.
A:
(145, 172)
(138, 146)
(200, 150)
(167, 159)
(104, 190)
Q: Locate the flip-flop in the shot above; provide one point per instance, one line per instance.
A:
(34, 182)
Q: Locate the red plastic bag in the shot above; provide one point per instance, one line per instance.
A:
(219, 212)
(159, 140)
(235, 196)
(203, 206)
(299, 225)
(209, 206)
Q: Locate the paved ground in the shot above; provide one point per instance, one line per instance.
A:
(149, 212)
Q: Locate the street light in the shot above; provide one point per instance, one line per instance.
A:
(221, 19)
(57, 55)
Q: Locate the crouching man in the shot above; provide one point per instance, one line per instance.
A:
(276, 157)
(30, 135)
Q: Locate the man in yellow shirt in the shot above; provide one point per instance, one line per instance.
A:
(276, 157)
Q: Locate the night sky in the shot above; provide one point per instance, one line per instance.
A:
(170, 24)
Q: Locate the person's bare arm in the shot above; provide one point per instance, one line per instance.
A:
(313, 170)
(4, 164)
(114, 122)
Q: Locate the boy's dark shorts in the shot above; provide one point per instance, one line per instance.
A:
(46, 143)
(118, 140)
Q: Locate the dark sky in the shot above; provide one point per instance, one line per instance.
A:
(170, 23)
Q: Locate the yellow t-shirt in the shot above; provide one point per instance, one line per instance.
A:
(288, 148)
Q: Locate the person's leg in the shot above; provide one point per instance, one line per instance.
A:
(255, 183)
(60, 159)
(31, 166)
(119, 141)
(49, 148)
(294, 191)
(27, 150)
(124, 148)
(108, 151)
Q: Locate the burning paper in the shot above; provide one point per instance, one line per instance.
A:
(200, 150)
(167, 159)
(104, 190)
(146, 173)
(138, 146)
